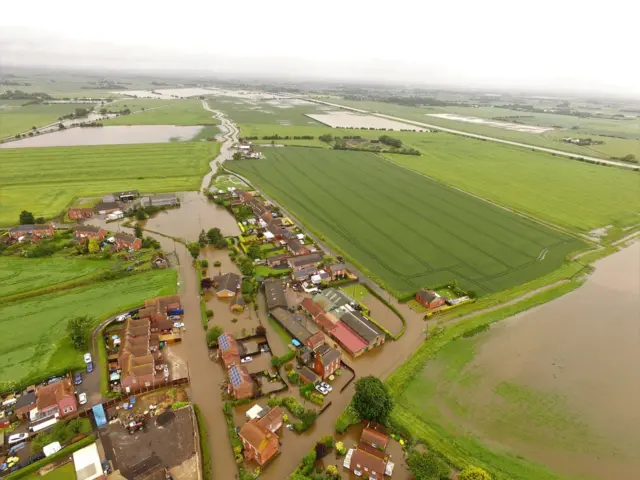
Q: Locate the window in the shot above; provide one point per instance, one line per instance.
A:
(147, 384)
(68, 409)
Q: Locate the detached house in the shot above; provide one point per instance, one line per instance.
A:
(240, 382)
(55, 400)
(327, 360)
(78, 213)
(126, 241)
(259, 438)
(336, 270)
(429, 299)
(227, 285)
(34, 232)
(82, 232)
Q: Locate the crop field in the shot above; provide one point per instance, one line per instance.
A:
(45, 180)
(572, 194)
(406, 230)
(34, 337)
(162, 112)
(594, 128)
(19, 275)
(284, 112)
(18, 119)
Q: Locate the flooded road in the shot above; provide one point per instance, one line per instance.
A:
(107, 136)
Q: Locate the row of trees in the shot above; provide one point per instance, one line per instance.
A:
(27, 218)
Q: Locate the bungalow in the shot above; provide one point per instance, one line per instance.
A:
(126, 241)
(315, 341)
(430, 299)
(229, 350)
(259, 438)
(296, 247)
(55, 400)
(241, 383)
(303, 274)
(89, 231)
(291, 324)
(274, 292)
(106, 207)
(305, 261)
(363, 327)
(278, 260)
(78, 213)
(34, 232)
(312, 308)
(327, 360)
(227, 285)
(336, 270)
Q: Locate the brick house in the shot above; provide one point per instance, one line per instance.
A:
(82, 232)
(305, 261)
(126, 241)
(369, 462)
(240, 382)
(311, 307)
(260, 444)
(326, 321)
(374, 435)
(25, 403)
(55, 400)
(429, 299)
(155, 309)
(296, 247)
(34, 232)
(229, 350)
(278, 260)
(336, 270)
(315, 341)
(244, 196)
(79, 213)
(138, 355)
(327, 360)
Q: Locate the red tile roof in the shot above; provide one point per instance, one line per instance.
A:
(310, 306)
(347, 338)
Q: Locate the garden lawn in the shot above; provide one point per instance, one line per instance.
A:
(20, 119)
(577, 195)
(35, 342)
(65, 472)
(165, 112)
(403, 229)
(46, 180)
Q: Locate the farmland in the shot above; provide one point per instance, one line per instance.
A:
(162, 112)
(45, 180)
(284, 112)
(34, 338)
(406, 230)
(591, 196)
(18, 119)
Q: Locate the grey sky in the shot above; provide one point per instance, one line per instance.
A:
(559, 44)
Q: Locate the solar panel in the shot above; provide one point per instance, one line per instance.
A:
(223, 342)
(235, 377)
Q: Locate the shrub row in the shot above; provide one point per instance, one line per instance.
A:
(287, 357)
(205, 453)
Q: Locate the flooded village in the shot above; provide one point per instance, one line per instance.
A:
(260, 349)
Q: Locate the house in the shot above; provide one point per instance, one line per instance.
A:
(291, 324)
(229, 350)
(240, 382)
(363, 327)
(271, 420)
(374, 435)
(368, 462)
(78, 213)
(296, 247)
(126, 241)
(55, 400)
(243, 196)
(305, 261)
(34, 232)
(429, 299)
(138, 353)
(336, 270)
(327, 360)
(258, 207)
(126, 196)
(307, 375)
(278, 260)
(260, 444)
(326, 321)
(348, 340)
(311, 307)
(275, 294)
(89, 231)
(25, 403)
(164, 200)
(303, 274)
(156, 309)
(315, 341)
(227, 285)
(106, 207)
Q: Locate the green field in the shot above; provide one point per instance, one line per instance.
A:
(18, 119)
(588, 127)
(406, 230)
(162, 112)
(45, 180)
(34, 337)
(572, 194)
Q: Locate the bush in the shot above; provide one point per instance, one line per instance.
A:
(209, 313)
(316, 398)
(217, 263)
(293, 377)
(338, 372)
(277, 361)
(212, 335)
(347, 418)
(204, 263)
(340, 448)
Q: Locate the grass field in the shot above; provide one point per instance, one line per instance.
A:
(34, 336)
(405, 230)
(45, 180)
(572, 194)
(587, 128)
(163, 112)
(20, 119)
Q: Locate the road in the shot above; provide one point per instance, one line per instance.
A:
(483, 137)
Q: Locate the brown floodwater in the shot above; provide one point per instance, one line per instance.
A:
(107, 136)
(583, 348)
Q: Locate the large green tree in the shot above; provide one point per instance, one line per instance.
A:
(27, 218)
(194, 249)
(372, 399)
(428, 466)
(78, 330)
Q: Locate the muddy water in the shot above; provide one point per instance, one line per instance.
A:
(382, 314)
(107, 136)
(584, 346)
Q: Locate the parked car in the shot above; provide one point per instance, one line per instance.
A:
(77, 378)
(35, 458)
(327, 387)
(17, 438)
(87, 358)
(89, 367)
(175, 318)
(123, 317)
(176, 311)
(82, 398)
(246, 359)
(322, 389)
(53, 380)
(178, 324)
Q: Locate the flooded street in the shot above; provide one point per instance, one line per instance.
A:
(577, 358)
(107, 136)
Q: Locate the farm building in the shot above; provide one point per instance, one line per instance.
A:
(126, 196)
(363, 327)
(326, 321)
(274, 292)
(34, 232)
(106, 207)
(429, 299)
(164, 200)
(291, 324)
(87, 463)
(311, 307)
(227, 285)
(129, 242)
(347, 339)
(79, 213)
(333, 298)
(88, 231)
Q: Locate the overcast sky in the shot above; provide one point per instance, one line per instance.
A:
(545, 44)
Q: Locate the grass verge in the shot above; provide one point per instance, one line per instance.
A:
(205, 453)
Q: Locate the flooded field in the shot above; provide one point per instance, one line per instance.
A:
(556, 384)
(518, 127)
(165, 93)
(107, 136)
(342, 119)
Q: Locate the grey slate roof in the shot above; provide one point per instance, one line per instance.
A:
(274, 291)
(290, 324)
(359, 324)
(229, 281)
(305, 260)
